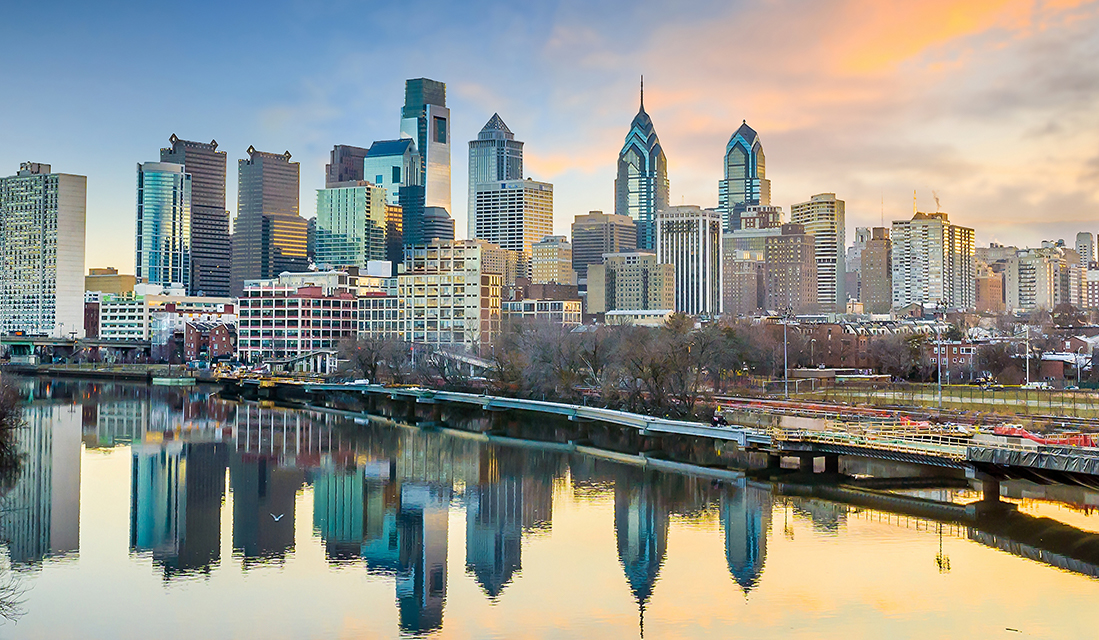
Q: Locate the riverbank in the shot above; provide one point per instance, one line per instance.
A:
(132, 372)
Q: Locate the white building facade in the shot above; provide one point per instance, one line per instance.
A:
(689, 238)
(42, 229)
(933, 263)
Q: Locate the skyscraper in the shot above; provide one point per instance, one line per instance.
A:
(42, 218)
(345, 165)
(597, 233)
(393, 164)
(495, 156)
(791, 271)
(745, 181)
(351, 224)
(551, 261)
(933, 262)
(823, 218)
(163, 247)
(426, 120)
(269, 236)
(641, 188)
(514, 214)
(877, 272)
(690, 238)
(1085, 246)
(210, 253)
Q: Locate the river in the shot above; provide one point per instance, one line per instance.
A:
(152, 512)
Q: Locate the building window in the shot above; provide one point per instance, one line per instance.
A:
(440, 130)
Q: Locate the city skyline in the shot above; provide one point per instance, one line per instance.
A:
(947, 97)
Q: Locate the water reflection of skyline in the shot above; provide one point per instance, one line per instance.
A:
(381, 497)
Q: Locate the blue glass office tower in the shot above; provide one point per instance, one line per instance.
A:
(745, 180)
(641, 188)
(163, 247)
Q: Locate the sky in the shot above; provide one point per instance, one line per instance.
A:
(987, 110)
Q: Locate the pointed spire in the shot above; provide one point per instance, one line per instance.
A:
(642, 92)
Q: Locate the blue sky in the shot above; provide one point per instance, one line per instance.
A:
(992, 104)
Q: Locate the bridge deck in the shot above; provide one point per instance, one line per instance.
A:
(917, 445)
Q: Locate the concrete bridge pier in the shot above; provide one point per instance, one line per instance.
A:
(832, 464)
(774, 461)
(410, 410)
(437, 413)
(805, 463)
(990, 502)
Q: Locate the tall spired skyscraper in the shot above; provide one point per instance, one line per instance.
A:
(494, 156)
(745, 180)
(641, 188)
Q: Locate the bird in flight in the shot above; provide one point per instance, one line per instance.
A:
(278, 517)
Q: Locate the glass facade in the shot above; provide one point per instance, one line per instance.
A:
(641, 188)
(426, 119)
(163, 242)
(351, 225)
(745, 181)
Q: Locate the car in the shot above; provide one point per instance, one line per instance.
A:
(1036, 385)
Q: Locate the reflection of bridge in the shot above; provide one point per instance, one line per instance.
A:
(990, 460)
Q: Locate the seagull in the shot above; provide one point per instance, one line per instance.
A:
(278, 517)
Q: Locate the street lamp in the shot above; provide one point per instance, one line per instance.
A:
(785, 357)
(1076, 360)
(812, 351)
(939, 361)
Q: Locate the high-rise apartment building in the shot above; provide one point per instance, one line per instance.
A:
(791, 271)
(210, 252)
(514, 214)
(495, 156)
(426, 119)
(823, 218)
(596, 233)
(933, 262)
(163, 244)
(989, 292)
(745, 182)
(633, 280)
(876, 272)
(42, 222)
(351, 224)
(689, 237)
(551, 261)
(345, 165)
(269, 236)
(641, 188)
(449, 295)
(1085, 246)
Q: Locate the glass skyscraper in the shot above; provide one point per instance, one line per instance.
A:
(209, 219)
(351, 224)
(745, 181)
(425, 119)
(494, 156)
(641, 188)
(163, 247)
(392, 164)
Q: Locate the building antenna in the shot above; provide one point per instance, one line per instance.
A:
(642, 92)
(883, 209)
(914, 202)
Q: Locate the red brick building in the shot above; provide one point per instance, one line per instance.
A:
(209, 341)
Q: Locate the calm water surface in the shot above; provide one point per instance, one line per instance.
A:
(146, 512)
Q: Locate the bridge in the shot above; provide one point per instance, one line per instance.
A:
(987, 459)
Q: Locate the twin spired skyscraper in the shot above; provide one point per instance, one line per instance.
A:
(641, 188)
